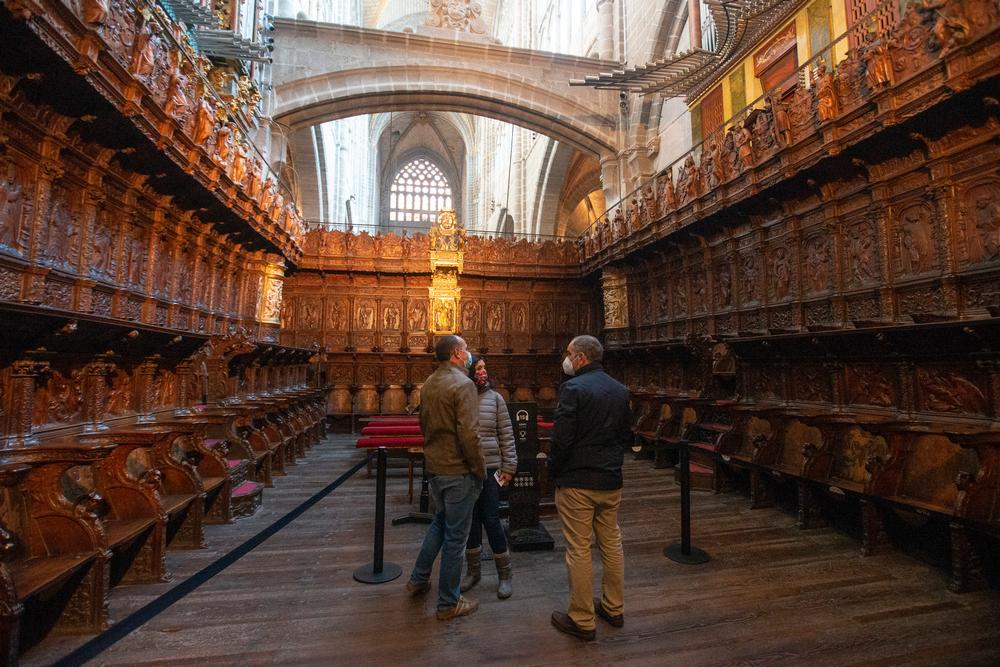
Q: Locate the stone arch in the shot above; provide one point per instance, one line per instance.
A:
(396, 87)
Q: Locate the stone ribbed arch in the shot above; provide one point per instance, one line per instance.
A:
(323, 72)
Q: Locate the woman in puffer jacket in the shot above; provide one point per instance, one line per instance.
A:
(496, 435)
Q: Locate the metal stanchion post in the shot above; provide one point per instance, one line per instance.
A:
(684, 552)
(379, 572)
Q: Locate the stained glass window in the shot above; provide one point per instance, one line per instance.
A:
(418, 193)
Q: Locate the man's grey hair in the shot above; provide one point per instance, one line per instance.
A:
(589, 347)
(446, 346)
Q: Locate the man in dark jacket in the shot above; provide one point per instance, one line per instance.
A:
(453, 457)
(589, 439)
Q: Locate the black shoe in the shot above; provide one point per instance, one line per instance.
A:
(564, 623)
(614, 621)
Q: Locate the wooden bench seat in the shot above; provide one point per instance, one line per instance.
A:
(35, 575)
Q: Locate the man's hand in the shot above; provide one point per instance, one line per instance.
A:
(505, 478)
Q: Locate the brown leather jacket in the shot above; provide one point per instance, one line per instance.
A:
(449, 421)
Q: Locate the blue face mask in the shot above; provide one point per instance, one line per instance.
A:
(468, 361)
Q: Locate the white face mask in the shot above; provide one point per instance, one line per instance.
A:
(567, 367)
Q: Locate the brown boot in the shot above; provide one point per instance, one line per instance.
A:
(463, 608)
(504, 588)
(474, 568)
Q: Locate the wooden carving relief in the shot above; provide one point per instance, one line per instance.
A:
(915, 240)
(944, 390)
(862, 254)
(981, 217)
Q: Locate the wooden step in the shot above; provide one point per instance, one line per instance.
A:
(701, 477)
(246, 499)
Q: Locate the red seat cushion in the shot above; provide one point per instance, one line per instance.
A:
(390, 430)
(392, 442)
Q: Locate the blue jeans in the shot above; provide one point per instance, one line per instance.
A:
(454, 497)
(487, 515)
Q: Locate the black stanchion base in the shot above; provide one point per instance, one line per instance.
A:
(366, 573)
(531, 539)
(676, 553)
(413, 517)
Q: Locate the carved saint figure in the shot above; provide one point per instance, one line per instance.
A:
(951, 29)
(62, 237)
(366, 316)
(519, 317)
(878, 66)
(223, 136)
(143, 53)
(253, 185)
(649, 205)
(665, 191)
(94, 12)
(335, 319)
(861, 252)
(543, 318)
(744, 147)
(914, 239)
(816, 264)
(729, 153)
(763, 130)
(390, 317)
(310, 314)
(826, 92)
(632, 216)
(618, 228)
(782, 124)
(494, 317)
(709, 166)
(417, 320)
(444, 315)
(680, 298)
(692, 178)
(470, 316)
(204, 121)
(100, 250)
(239, 169)
(750, 273)
(782, 272)
(725, 286)
(987, 217)
(10, 205)
(177, 102)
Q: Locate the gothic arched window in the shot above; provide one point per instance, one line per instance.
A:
(418, 193)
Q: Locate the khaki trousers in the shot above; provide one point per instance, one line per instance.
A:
(585, 513)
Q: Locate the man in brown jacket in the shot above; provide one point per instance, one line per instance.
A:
(449, 421)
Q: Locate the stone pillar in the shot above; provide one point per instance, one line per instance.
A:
(611, 179)
(694, 23)
(606, 29)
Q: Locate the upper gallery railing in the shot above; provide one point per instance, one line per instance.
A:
(880, 50)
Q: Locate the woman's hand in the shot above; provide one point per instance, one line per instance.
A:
(505, 478)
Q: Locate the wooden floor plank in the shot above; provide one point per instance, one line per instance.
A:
(772, 595)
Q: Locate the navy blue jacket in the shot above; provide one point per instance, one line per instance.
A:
(591, 432)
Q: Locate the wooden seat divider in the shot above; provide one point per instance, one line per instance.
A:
(54, 549)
